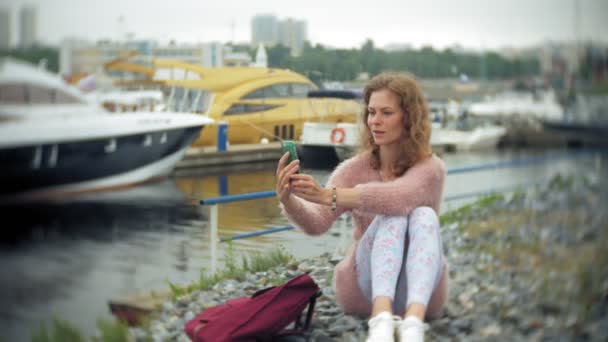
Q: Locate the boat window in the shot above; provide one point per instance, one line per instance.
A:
(13, 93)
(202, 101)
(244, 108)
(186, 100)
(300, 90)
(191, 100)
(258, 94)
(262, 93)
(170, 99)
(178, 97)
(40, 95)
(281, 90)
(31, 94)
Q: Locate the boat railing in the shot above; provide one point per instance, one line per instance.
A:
(214, 202)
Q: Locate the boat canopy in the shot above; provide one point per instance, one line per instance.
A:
(183, 74)
(222, 79)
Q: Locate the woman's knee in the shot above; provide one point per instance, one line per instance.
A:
(427, 214)
(393, 227)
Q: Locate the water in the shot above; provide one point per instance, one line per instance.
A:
(67, 259)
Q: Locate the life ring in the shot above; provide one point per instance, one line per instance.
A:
(337, 135)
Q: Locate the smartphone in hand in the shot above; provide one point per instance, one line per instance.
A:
(290, 146)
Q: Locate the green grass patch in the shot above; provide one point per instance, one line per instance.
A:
(63, 331)
(252, 263)
(466, 210)
(60, 331)
(329, 277)
(560, 182)
(112, 330)
(261, 262)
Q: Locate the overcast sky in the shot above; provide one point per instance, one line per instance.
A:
(338, 23)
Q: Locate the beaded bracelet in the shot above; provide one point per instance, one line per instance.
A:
(334, 199)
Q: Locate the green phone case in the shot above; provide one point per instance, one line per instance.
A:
(290, 146)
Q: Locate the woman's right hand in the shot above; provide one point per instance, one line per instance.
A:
(283, 174)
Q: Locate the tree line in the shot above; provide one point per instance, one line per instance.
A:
(35, 55)
(320, 63)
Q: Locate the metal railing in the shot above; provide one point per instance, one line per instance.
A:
(524, 162)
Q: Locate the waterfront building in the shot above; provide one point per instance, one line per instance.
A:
(264, 30)
(236, 59)
(5, 28)
(292, 33)
(78, 58)
(204, 54)
(28, 26)
(212, 54)
(268, 30)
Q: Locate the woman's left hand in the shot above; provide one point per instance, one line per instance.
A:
(306, 187)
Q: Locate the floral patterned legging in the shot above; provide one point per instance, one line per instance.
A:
(386, 244)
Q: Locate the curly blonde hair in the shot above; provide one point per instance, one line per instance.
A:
(415, 145)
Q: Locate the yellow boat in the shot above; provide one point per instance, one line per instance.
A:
(256, 103)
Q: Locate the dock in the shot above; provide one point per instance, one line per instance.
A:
(237, 157)
(209, 160)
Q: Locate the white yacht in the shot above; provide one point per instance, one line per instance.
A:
(518, 106)
(53, 141)
(481, 137)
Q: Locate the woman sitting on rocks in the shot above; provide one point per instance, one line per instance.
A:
(393, 190)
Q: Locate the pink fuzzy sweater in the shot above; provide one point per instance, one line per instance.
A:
(421, 185)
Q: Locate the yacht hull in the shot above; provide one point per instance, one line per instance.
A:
(50, 170)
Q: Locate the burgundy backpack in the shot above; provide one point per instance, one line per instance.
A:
(261, 317)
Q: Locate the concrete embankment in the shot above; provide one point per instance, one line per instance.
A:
(527, 266)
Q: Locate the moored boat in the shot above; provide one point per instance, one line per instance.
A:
(54, 142)
(258, 104)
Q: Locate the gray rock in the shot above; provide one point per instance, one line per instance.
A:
(168, 306)
(318, 336)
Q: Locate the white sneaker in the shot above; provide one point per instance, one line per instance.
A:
(381, 328)
(411, 329)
